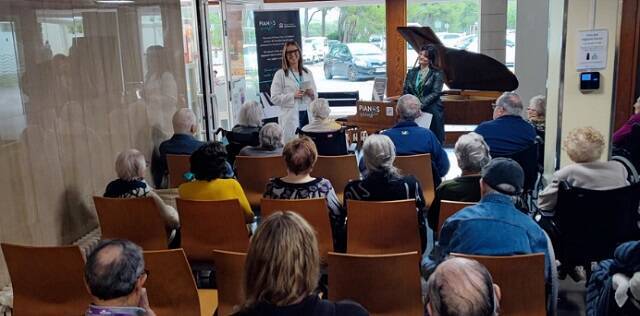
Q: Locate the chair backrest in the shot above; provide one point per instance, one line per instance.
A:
(528, 160)
(135, 219)
(315, 211)
(338, 169)
(594, 222)
(328, 143)
(209, 225)
(382, 227)
(47, 280)
(170, 285)
(448, 208)
(343, 98)
(383, 284)
(420, 167)
(521, 281)
(254, 173)
(178, 165)
(229, 278)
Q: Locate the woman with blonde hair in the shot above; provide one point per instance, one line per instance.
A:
(282, 271)
(292, 88)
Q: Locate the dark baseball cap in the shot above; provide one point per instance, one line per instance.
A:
(503, 171)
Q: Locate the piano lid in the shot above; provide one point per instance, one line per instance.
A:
(463, 70)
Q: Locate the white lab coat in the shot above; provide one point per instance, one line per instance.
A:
(283, 89)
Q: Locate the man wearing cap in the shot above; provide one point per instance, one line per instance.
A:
(493, 227)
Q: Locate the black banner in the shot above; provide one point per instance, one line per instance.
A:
(273, 29)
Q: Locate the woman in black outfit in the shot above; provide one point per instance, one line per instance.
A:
(383, 181)
(282, 271)
(425, 82)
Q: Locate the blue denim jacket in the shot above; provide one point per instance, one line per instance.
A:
(493, 227)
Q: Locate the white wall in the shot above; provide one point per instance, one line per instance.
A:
(531, 47)
(578, 109)
(493, 28)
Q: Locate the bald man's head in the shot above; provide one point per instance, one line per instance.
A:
(460, 287)
(113, 268)
(184, 122)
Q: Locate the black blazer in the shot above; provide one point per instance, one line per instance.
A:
(430, 96)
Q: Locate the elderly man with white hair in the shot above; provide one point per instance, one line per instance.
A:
(462, 287)
(411, 139)
(508, 132)
(320, 121)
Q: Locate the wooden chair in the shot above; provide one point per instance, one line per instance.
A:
(384, 284)
(521, 281)
(135, 219)
(47, 280)
(209, 225)
(448, 208)
(315, 211)
(178, 165)
(254, 173)
(229, 277)
(171, 288)
(420, 167)
(382, 227)
(339, 170)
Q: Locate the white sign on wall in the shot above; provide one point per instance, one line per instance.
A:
(592, 50)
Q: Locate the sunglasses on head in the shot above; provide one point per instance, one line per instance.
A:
(291, 52)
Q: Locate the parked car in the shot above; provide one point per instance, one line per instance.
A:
(355, 61)
(378, 40)
(320, 45)
(309, 52)
(449, 39)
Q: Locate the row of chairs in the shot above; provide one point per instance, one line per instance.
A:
(49, 281)
(254, 172)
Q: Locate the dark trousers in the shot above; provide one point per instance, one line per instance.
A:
(303, 118)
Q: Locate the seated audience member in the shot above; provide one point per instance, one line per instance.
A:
(536, 113)
(472, 153)
(584, 146)
(384, 182)
(320, 121)
(271, 143)
(249, 118)
(282, 270)
(462, 287)
(130, 167)
(493, 227)
(300, 155)
(115, 276)
(182, 142)
(507, 133)
(411, 139)
(621, 136)
(208, 164)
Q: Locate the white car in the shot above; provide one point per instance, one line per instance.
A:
(470, 44)
(449, 39)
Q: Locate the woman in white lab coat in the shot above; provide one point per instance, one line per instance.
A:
(292, 88)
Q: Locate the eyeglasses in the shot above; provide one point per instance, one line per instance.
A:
(291, 52)
(493, 106)
(145, 272)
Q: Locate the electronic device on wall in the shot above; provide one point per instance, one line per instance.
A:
(589, 81)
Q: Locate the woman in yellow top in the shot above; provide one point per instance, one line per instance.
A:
(208, 166)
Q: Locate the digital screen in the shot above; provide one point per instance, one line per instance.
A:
(586, 77)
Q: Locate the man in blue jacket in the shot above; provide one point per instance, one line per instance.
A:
(508, 132)
(411, 139)
(493, 227)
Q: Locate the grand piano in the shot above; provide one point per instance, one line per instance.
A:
(475, 82)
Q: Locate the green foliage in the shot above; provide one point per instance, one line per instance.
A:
(216, 29)
(357, 23)
(461, 16)
(512, 7)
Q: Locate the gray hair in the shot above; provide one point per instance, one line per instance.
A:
(409, 107)
(511, 103)
(130, 165)
(461, 286)
(271, 136)
(250, 114)
(540, 104)
(183, 120)
(472, 152)
(319, 109)
(110, 275)
(379, 154)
